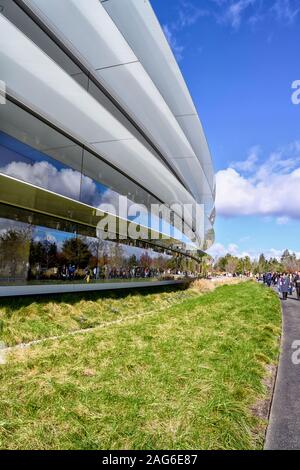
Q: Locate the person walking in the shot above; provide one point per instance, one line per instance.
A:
(284, 283)
(269, 279)
(297, 284)
(290, 276)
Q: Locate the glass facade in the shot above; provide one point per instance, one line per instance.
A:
(28, 26)
(55, 175)
(33, 152)
(37, 249)
(36, 153)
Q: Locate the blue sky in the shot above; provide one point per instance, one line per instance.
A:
(239, 59)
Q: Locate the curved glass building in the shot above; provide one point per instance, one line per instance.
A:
(105, 172)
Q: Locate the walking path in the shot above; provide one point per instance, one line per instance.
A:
(284, 425)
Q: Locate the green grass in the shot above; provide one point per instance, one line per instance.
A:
(24, 320)
(186, 377)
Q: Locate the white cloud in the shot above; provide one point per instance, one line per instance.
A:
(250, 163)
(286, 10)
(187, 15)
(230, 13)
(172, 40)
(267, 189)
(50, 237)
(218, 250)
(235, 11)
(65, 181)
(282, 220)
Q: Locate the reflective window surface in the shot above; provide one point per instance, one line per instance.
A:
(35, 153)
(33, 253)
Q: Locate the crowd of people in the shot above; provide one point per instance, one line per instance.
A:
(72, 272)
(286, 283)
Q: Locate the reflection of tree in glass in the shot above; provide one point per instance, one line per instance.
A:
(97, 248)
(132, 261)
(203, 266)
(76, 252)
(160, 263)
(14, 252)
(117, 257)
(176, 263)
(145, 260)
(43, 253)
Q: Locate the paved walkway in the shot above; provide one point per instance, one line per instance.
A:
(284, 426)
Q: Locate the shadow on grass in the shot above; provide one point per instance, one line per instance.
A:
(72, 298)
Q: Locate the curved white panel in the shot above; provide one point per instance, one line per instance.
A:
(79, 25)
(194, 132)
(144, 35)
(133, 62)
(38, 81)
(135, 90)
(84, 19)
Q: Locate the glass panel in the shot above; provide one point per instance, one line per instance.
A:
(108, 184)
(33, 152)
(32, 253)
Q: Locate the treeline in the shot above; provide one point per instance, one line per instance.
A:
(234, 265)
(22, 254)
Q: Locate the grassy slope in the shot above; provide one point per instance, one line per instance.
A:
(24, 320)
(186, 377)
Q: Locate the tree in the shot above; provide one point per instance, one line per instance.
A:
(255, 267)
(285, 256)
(205, 264)
(43, 253)
(132, 261)
(76, 252)
(240, 268)
(273, 265)
(262, 263)
(97, 249)
(247, 265)
(160, 263)
(116, 255)
(14, 251)
(221, 263)
(145, 260)
(227, 263)
(289, 261)
(231, 265)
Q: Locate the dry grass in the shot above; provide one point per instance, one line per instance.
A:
(23, 320)
(208, 285)
(188, 377)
